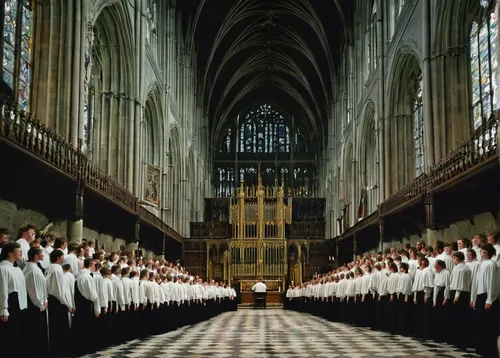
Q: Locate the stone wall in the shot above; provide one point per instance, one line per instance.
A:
(461, 229)
(12, 217)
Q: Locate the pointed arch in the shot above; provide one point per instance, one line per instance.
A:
(192, 182)
(369, 160)
(112, 91)
(406, 120)
(175, 175)
(349, 173)
(152, 128)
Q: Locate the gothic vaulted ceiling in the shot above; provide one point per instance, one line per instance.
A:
(281, 51)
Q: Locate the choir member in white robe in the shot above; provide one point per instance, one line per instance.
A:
(413, 265)
(87, 308)
(477, 241)
(72, 258)
(13, 302)
(126, 313)
(422, 299)
(119, 304)
(382, 301)
(358, 314)
(367, 300)
(69, 290)
(493, 238)
(392, 289)
(462, 245)
(143, 303)
(461, 313)
(441, 302)
(134, 307)
(405, 302)
(36, 317)
(4, 237)
(102, 294)
(61, 244)
(484, 299)
(108, 294)
(26, 237)
(59, 305)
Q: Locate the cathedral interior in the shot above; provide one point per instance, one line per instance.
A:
(250, 138)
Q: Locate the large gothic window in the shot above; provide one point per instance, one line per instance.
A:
(264, 140)
(17, 65)
(484, 65)
(264, 131)
(418, 129)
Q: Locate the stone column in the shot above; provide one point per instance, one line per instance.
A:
(381, 226)
(430, 219)
(379, 122)
(354, 248)
(134, 164)
(75, 231)
(130, 247)
(427, 86)
(59, 35)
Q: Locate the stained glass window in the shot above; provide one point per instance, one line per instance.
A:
(88, 96)
(9, 38)
(264, 131)
(225, 182)
(25, 65)
(484, 65)
(418, 130)
(18, 30)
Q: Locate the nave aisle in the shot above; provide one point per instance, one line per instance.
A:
(277, 333)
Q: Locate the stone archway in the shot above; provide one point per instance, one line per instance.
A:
(404, 126)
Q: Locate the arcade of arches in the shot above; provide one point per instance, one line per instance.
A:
(142, 123)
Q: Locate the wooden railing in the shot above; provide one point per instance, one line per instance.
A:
(210, 230)
(38, 140)
(97, 178)
(476, 150)
(305, 230)
(370, 220)
(411, 191)
(480, 149)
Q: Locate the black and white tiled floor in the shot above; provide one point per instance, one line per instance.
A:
(277, 333)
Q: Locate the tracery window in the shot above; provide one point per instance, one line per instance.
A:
(484, 65)
(418, 129)
(264, 131)
(151, 32)
(17, 62)
(225, 146)
(88, 96)
(225, 182)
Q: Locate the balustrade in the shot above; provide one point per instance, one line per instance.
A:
(38, 140)
(479, 148)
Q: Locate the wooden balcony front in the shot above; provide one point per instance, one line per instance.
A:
(54, 177)
(466, 180)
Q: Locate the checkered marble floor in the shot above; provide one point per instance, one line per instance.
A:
(277, 333)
